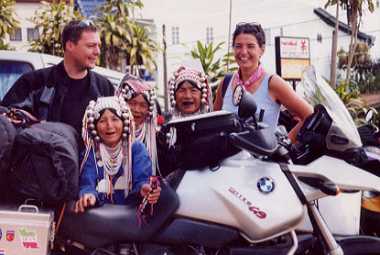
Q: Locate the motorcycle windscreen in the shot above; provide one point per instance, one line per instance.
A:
(315, 90)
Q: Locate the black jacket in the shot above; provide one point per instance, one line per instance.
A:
(42, 92)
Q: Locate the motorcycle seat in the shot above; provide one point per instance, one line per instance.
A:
(110, 224)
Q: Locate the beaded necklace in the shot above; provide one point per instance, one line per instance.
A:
(112, 158)
(252, 79)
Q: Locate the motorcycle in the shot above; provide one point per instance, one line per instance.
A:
(255, 202)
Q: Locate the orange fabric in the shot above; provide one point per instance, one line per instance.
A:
(372, 204)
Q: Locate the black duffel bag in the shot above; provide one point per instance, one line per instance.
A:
(45, 163)
(7, 136)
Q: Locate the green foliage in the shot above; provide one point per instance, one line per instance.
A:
(123, 38)
(347, 91)
(215, 68)
(50, 21)
(8, 22)
(354, 11)
(364, 69)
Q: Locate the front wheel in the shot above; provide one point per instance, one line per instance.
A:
(360, 245)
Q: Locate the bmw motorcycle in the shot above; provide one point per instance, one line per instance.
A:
(270, 198)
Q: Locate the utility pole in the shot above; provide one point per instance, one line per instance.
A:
(166, 98)
(334, 48)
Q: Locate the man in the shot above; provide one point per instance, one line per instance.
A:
(62, 92)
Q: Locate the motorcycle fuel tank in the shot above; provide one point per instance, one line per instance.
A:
(245, 193)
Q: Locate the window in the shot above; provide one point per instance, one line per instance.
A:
(209, 35)
(9, 73)
(16, 35)
(175, 35)
(32, 34)
(319, 37)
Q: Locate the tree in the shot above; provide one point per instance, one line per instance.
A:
(141, 50)
(123, 38)
(354, 10)
(50, 22)
(215, 68)
(7, 21)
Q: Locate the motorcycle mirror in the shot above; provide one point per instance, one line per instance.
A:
(245, 102)
(369, 115)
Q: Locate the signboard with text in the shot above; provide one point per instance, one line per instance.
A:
(292, 56)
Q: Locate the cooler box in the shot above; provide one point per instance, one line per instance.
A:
(26, 231)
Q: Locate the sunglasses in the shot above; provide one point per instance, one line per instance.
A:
(86, 23)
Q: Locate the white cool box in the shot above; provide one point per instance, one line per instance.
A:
(26, 231)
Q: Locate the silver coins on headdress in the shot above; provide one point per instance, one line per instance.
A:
(93, 113)
(184, 73)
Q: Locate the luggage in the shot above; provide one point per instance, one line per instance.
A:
(45, 164)
(26, 231)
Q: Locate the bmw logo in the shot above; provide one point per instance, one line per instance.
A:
(265, 185)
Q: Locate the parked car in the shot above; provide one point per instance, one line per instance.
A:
(14, 63)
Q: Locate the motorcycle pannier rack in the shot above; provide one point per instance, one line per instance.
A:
(26, 231)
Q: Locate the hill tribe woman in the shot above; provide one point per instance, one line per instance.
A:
(115, 168)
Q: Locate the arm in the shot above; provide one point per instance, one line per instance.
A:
(87, 185)
(141, 166)
(19, 95)
(282, 92)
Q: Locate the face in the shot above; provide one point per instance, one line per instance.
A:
(140, 109)
(86, 51)
(110, 128)
(188, 98)
(247, 51)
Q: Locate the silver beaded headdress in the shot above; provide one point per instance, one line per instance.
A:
(198, 79)
(92, 140)
(130, 87)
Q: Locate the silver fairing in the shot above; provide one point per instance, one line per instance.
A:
(230, 196)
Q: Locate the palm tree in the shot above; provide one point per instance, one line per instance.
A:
(141, 50)
(215, 68)
(122, 37)
(7, 21)
(354, 10)
(50, 22)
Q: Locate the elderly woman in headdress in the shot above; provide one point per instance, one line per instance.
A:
(141, 99)
(115, 168)
(190, 95)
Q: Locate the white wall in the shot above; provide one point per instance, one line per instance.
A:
(24, 13)
(281, 17)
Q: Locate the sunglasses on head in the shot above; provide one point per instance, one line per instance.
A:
(86, 23)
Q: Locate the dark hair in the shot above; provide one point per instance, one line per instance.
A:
(252, 28)
(102, 111)
(74, 29)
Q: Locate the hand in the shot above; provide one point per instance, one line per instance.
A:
(153, 195)
(86, 200)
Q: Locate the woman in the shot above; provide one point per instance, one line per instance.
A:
(114, 168)
(189, 93)
(141, 99)
(269, 91)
